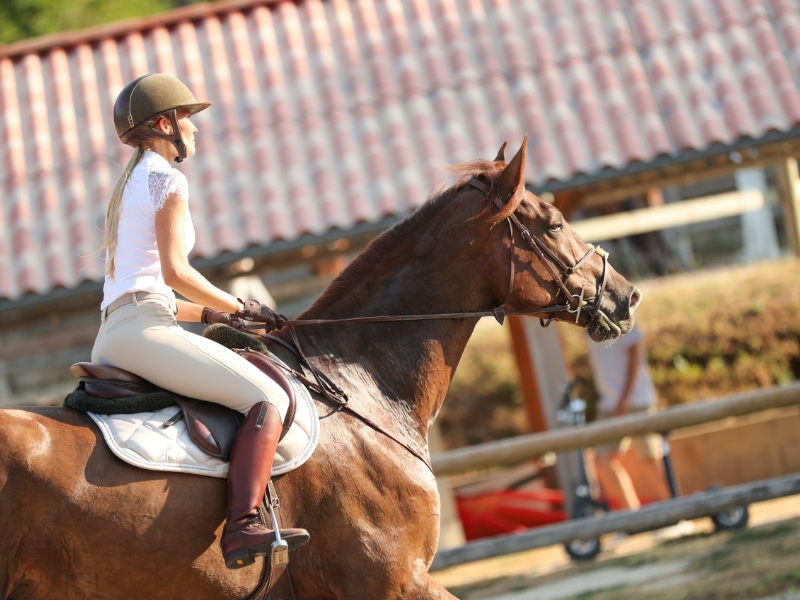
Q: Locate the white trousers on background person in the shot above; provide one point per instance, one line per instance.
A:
(145, 339)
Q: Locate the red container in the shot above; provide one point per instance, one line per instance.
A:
(509, 511)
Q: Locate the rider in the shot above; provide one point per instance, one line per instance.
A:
(148, 237)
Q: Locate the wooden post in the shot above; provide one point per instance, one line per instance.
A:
(760, 241)
(787, 174)
(543, 372)
(531, 394)
(678, 238)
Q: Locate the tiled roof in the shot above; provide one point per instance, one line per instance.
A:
(329, 113)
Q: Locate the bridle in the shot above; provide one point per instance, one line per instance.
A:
(575, 302)
(323, 385)
(541, 249)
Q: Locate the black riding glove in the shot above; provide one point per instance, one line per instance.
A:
(253, 310)
(210, 317)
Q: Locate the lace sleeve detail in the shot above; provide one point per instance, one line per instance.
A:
(163, 184)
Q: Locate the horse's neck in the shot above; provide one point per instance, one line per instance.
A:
(402, 368)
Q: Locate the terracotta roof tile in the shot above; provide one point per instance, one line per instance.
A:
(331, 113)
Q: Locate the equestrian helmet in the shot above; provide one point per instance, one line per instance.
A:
(150, 96)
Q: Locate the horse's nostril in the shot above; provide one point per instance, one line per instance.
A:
(636, 298)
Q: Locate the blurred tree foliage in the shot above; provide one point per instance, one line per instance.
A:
(20, 19)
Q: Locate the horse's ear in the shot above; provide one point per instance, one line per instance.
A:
(513, 176)
(501, 154)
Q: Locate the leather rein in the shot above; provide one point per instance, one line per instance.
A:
(323, 385)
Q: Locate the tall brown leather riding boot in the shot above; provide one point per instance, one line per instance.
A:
(245, 535)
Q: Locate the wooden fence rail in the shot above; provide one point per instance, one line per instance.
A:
(514, 450)
(652, 516)
(656, 218)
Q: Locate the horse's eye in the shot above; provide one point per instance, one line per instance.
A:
(555, 228)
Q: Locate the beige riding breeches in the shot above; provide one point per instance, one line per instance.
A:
(145, 339)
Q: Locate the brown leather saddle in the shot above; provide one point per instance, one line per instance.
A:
(212, 426)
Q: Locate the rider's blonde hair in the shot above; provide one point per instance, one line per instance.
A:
(114, 208)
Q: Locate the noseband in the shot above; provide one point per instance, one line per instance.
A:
(576, 301)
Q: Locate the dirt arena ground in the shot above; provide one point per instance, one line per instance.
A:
(685, 562)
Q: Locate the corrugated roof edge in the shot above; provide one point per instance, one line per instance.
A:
(116, 29)
(664, 160)
(86, 287)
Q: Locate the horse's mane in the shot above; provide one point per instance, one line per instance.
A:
(382, 245)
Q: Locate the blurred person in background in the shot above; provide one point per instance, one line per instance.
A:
(623, 383)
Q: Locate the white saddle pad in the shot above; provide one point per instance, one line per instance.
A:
(142, 440)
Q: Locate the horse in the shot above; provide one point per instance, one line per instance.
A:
(76, 523)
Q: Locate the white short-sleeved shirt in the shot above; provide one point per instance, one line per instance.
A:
(137, 265)
(610, 369)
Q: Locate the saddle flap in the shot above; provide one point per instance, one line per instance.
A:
(266, 366)
(212, 426)
(106, 382)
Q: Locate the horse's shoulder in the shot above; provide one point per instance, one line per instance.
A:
(28, 432)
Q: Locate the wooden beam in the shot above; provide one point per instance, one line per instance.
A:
(543, 370)
(656, 218)
(647, 518)
(525, 447)
(59, 338)
(788, 180)
(616, 190)
(531, 396)
(277, 256)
